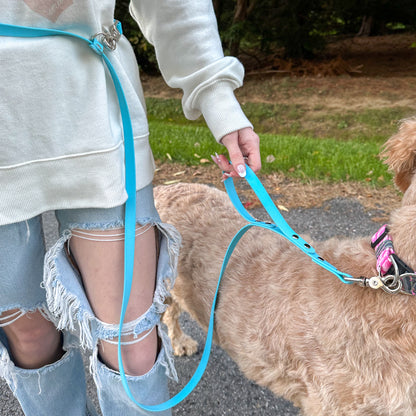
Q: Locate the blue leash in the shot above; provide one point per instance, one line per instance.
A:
(130, 209)
(279, 226)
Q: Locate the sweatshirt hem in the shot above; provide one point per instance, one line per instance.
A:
(96, 182)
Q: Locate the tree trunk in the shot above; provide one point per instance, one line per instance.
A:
(366, 26)
(242, 9)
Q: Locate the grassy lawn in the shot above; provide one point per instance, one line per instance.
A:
(332, 146)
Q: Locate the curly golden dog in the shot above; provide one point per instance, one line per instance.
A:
(332, 349)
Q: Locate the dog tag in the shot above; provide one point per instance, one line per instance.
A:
(375, 282)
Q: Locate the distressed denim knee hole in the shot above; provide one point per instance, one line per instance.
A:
(69, 305)
(12, 373)
(128, 339)
(11, 316)
(163, 360)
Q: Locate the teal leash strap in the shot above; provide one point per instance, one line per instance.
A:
(192, 383)
(130, 215)
(130, 166)
(279, 224)
(129, 160)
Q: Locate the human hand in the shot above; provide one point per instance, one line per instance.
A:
(243, 147)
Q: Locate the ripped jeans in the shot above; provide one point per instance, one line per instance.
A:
(31, 280)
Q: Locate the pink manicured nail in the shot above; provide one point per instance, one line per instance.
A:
(214, 159)
(241, 170)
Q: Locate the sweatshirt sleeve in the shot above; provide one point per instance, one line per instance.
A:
(190, 56)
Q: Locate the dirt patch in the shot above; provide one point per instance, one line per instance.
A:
(379, 56)
(362, 72)
(332, 93)
(375, 56)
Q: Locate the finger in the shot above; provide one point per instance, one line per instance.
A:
(231, 142)
(250, 146)
(222, 162)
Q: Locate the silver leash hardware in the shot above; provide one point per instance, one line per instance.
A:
(109, 37)
(390, 283)
(375, 282)
(387, 283)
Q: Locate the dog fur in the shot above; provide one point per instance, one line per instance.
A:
(332, 349)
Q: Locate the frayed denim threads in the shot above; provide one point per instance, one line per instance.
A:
(68, 303)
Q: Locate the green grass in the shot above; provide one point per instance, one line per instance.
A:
(298, 156)
(185, 144)
(296, 119)
(327, 159)
(300, 141)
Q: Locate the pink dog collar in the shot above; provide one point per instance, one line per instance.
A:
(383, 246)
(389, 263)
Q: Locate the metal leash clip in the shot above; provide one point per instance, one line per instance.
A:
(374, 282)
(390, 283)
(109, 37)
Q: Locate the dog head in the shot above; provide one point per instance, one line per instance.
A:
(400, 154)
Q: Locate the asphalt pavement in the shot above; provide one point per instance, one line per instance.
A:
(223, 389)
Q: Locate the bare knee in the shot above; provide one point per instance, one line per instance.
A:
(139, 356)
(99, 256)
(33, 340)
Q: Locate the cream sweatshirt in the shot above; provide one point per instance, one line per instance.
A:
(61, 142)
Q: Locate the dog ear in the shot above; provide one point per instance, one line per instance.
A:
(399, 153)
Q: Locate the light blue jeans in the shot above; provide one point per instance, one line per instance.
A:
(32, 280)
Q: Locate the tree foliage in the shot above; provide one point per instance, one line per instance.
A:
(300, 28)
(143, 50)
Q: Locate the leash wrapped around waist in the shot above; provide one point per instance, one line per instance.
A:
(101, 44)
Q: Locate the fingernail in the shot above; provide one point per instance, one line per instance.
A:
(241, 170)
(214, 159)
(218, 157)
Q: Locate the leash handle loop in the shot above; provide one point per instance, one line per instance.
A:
(279, 224)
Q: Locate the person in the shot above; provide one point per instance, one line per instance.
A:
(62, 150)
